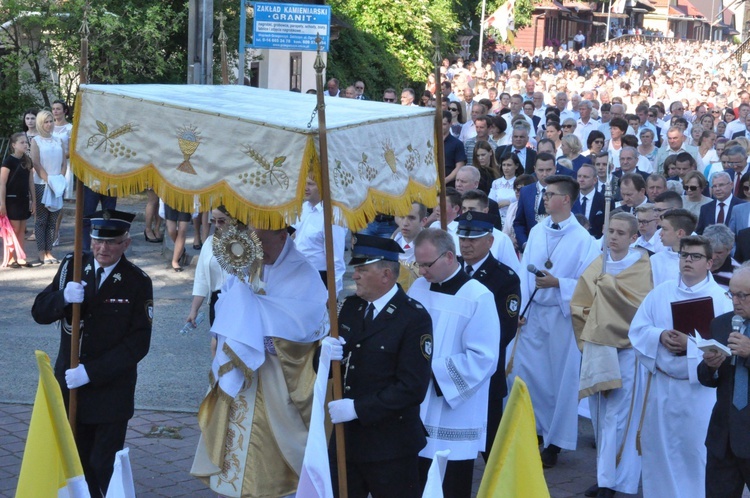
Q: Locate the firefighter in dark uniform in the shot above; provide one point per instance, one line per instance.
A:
(475, 238)
(116, 320)
(386, 371)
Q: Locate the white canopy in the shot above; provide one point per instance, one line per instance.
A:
(251, 149)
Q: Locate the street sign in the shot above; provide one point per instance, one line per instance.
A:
(289, 26)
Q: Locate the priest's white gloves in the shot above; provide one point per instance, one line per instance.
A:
(342, 410)
(337, 347)
(73, 292)
(76, 377)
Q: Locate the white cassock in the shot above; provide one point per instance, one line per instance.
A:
(502, 248)
(547, 357)
(466, 339)
(678, 407)
(665, 266)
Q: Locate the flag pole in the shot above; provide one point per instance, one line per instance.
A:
(75, 327)
(481, 34)
(325, 190)
(439, 148)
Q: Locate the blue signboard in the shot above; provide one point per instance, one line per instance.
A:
(290, 26)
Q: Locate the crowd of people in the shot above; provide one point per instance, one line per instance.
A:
(597, 222)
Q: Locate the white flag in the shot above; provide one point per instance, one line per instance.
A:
(121, 485)
(619, 6)
(315, 478)
(434, 486)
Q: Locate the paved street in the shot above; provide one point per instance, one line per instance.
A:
(172, 378)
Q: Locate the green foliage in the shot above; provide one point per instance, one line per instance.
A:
(357, 55)
(130, 41)
(391, 33)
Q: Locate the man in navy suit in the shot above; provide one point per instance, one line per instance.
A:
(519, 139)
(590, 203)
(531, 199)
(720, 209)
(728, 437)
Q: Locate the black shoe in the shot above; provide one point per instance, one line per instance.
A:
(549, 456)
(606, 493)
(592, 491)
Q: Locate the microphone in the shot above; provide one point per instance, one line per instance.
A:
(539, 273)
(737, 322)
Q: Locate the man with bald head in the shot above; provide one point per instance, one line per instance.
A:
(467, 178)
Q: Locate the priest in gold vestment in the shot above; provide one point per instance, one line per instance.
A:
(255, 418)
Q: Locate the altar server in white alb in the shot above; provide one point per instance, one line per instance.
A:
(677, 407)
(466, 338)
(546, 356)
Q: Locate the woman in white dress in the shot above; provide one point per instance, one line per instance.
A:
(708, 154)
(48, 157)
(502, 188)
(62, 131)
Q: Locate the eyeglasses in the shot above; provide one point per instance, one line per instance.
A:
(453, 109)
(359, 87)
(692, 188)
(427, 266)
(715, 112)
(652, 115)
(598, 141)
(550, 195)
(691, 256)
(645, 222)
(107, 243)
(388, 100)
(567, 126)
(746, 188)
(741, 296)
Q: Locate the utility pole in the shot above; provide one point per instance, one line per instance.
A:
(200, 42)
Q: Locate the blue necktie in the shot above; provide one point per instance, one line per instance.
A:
(739, 399)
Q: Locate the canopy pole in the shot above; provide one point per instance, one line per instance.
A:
(75, 327)
(325, 190)
(439, 148)
(223, 41)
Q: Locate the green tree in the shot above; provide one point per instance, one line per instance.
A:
(130, 41)
(390, 42)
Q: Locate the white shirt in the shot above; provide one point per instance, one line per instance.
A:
(726, 203)
(107, 271)
(310, 241)
(589, 200)
(380, 302)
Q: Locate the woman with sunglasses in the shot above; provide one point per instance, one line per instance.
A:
(745, 187)
(594, 144)
(209, 277)
(694, 183)
(457, 118)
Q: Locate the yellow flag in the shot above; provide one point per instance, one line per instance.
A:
(515, 467)
(51, 466)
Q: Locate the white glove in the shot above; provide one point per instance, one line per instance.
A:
(76, 377)
(337, 347)
(342, 410)
(73, 292)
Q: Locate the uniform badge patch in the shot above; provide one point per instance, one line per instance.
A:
(426, 346)
(512, 304)
(150, 310)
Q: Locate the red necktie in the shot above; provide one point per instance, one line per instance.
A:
(720, 218)
(737, 185)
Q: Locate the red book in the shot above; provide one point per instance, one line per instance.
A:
(693, 314)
